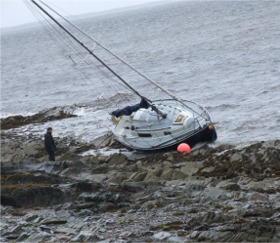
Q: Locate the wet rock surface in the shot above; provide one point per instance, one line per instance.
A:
(55, 113)
(104, 193)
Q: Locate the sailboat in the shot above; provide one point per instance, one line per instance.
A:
(150, 125)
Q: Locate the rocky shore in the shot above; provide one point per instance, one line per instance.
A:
(101, 192)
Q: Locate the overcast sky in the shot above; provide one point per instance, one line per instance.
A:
(15, 12)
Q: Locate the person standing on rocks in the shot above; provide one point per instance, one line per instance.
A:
(49, 144)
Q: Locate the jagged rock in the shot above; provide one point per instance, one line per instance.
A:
(228, 185)
(33, 196)
(208, 169)
(236, 157)
(59, 166)
(15, 231)
(137, 176)
(23, 236)
(223, 193)
(85, 212)
(55, 113)
(173, 174)
(117, 159)
(103, 141)
(54, 221)
(162, 235)
(27, 190)
(215, 193)
(191, 168)
(85, 236)
(30, 218)
(42, 236)
(259, 197)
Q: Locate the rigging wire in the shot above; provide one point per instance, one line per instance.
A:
(85, 47)
(127, 64)
(103, 63)
(123, 61)
(100, 60)
(54, 31)
(65, 41)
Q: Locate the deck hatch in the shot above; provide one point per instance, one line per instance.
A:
(144, 135)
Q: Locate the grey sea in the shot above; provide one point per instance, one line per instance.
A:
(225, 55)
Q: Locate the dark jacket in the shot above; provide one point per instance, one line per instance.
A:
(49, 142)
(128, 110)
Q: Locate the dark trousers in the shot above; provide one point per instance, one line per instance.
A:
(51, 156)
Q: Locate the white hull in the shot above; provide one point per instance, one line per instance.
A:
(146, 130)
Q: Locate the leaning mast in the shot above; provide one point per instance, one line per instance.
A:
(96, 57)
